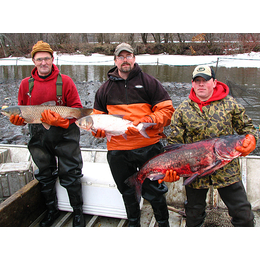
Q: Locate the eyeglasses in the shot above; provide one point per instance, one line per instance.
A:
(121, 58)
(46, 59)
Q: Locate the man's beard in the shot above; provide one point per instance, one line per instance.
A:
(126, 69)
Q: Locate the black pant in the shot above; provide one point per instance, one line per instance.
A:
(125, 163)
(234, 197)
(47, 145)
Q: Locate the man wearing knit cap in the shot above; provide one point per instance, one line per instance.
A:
(61, 140)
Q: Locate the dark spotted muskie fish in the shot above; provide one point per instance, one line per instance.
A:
(189, 160)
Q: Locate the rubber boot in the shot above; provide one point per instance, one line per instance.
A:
(78, 219)
(195, 215)
(132, 209)
(133, 214)
(50, 217)
(154, 193)
(160, 211)
(76, 201)
(48, 191)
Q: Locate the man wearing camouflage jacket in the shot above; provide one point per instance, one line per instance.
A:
(208, 113)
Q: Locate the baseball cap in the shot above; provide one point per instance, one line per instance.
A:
(203, 71)
(123, 47)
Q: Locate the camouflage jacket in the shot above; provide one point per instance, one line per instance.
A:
(222, 117)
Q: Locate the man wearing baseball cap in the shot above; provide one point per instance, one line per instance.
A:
(210, 112)
(142, 99)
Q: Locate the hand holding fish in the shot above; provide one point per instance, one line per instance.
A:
(17, 120)
(99, 133)
(170, 176)
(145, 119)
(248, 145)
(52, 118)
(134, 131)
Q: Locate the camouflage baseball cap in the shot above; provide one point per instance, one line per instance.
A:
(123, 47)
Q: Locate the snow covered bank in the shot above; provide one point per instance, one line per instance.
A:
(240, 60)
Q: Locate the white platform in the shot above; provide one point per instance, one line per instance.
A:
(100, 194)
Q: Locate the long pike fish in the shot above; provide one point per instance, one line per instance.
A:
(113, 125)
(189, 160)
(32, 114)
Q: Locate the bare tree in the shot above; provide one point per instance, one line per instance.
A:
(144, 37)
(157, 37)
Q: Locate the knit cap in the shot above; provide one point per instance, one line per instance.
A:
(41, 46)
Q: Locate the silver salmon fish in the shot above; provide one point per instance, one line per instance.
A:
(189, 160)
(113, 125)
(32, 114)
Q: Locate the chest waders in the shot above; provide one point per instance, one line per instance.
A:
(47, 145)
(58, 89)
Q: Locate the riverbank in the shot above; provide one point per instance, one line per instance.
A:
(250, 60)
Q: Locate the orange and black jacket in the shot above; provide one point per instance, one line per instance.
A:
(137, 96)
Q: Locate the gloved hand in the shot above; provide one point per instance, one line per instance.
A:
(145, 119)
(134, 131)
(52, 118)
(17, 120)
(248, 145)
(170, 176)
(99, 134)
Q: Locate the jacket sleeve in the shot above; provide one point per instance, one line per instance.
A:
(162, 113)
(177, 128)
(162, 108)
(241, 122)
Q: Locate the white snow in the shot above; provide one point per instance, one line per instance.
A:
(240, 60)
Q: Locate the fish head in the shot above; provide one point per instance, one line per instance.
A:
(12, 110)
(85, 123)
(225, 147)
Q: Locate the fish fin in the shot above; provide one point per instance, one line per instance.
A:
(49, 103)
(190, 179)
(85, 111)
(46, 126)
(134, 182)
(143, 132)
(172, 147)
(156, 176)
(212, 169)
(125, 136)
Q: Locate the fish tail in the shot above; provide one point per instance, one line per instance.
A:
(142, 130)
(133, 182)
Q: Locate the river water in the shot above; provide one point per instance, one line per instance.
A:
(244, 83)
